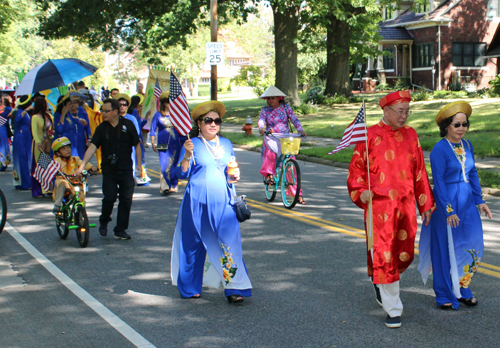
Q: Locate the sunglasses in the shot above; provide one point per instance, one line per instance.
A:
(209, 120)
(457, 125)
(123, 104)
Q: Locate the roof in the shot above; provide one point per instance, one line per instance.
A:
(397, 33)
(408, 17)
(493, 50)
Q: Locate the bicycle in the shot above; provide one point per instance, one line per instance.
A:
(287, 176)
(3, 211)
(73, 215)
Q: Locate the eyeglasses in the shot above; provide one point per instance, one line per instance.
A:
(457, 125)
(209, 120)
(123, 104)
(401, 113)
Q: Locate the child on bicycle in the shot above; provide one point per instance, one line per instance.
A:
(69, 164)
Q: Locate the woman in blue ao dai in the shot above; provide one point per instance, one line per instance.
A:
(21, 145)
(162, 132)
(5, 155)
(452, 244)
(207, 241)
(66, 122)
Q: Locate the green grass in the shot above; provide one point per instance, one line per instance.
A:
(331, 121)
(242, 139)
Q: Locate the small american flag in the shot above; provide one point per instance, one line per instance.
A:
(45, 171)
(157, 93)
(179, 110)
(354, 133)
(3, 120)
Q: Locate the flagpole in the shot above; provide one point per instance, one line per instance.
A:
(369, 225)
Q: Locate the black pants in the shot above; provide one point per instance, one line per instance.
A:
(117, 185)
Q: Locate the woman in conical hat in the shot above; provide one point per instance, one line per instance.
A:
(453, 240)
(275, 117)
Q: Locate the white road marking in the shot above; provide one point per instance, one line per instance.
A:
(118, 324)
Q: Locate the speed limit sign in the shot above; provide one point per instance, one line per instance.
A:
(215, 53)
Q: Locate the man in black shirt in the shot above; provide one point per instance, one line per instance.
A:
(116, 136)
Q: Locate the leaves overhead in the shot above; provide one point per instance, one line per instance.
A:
(146, 24)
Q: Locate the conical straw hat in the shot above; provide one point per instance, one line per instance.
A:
(272, 92)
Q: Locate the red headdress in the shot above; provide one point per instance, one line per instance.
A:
(395, 98)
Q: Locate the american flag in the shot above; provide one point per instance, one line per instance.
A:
(45, 171)
(157, 93)
(354, 133)
(179, 110)
(3, 120)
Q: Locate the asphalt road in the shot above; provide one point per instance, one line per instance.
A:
(307, 267)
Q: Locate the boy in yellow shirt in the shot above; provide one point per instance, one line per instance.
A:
(69, 164)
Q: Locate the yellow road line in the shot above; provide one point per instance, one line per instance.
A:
(312, 220)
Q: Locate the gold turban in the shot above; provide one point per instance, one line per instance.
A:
(203, 108)
(165, 95)
(452, 109)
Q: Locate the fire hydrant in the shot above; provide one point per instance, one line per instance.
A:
(248, 126)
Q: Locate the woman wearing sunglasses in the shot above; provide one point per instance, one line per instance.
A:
(275, 117)
(206, 222)
(453, 241)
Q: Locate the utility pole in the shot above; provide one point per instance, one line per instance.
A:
(213, 33)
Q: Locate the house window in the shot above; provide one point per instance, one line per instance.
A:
(388, 58)
(423, 55)
(422, 7)
(469, 54)
(492, 10)
(388, 13)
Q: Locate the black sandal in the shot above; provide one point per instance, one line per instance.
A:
(301, 200)
(235, 299)
(270, 180)
(447, 306)
(469, 302)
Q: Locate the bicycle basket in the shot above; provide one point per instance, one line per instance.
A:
(290, 146)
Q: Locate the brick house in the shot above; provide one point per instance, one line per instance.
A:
(443, 42)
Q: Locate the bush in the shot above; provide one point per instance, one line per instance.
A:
(495, 84)
(420, 96)
(383, 87)
(455, 86)
(223, 84)
(305, 108)
(316, 90)
(402, 84)
(203, 90)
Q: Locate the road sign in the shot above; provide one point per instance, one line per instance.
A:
(215, 53)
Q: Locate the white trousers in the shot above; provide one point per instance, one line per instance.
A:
(390, 299)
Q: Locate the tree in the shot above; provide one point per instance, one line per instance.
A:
(286, 23)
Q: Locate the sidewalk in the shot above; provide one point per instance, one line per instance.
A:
(485, 163)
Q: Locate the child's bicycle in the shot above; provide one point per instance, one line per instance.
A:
(73, 215)
(287, 176)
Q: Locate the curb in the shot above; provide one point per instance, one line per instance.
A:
(485, 190)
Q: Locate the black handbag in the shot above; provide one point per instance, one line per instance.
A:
(162, 147)
(240, 205)
(242, 210)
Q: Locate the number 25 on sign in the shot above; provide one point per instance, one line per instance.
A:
(215, 53)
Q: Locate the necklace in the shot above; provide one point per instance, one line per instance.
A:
(216, 151)
(460, 154)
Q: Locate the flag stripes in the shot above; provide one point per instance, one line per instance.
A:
(179, 110)
(45, 171)
(354, 133)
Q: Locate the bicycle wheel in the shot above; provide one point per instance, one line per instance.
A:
(3, 211)
(270, 191)
(290, 183)
(83, 230)
(62, 223)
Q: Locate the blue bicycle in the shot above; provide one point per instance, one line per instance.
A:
(287, 177)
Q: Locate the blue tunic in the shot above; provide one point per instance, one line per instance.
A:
(162, 128)
(4, 141)
(21, 149)
(207, 224)
(455, 253)
(84, 133)
(68, 129)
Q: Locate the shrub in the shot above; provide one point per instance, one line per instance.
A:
(455, 86)
(402, 84)
(316, 90)
(305, 108)
(383, 87)
(495, 84)
(337, 99)
(420, 96)
(223, 84)
(203, 90)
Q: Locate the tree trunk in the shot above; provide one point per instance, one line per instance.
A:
(285, 33)
(338, 37)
